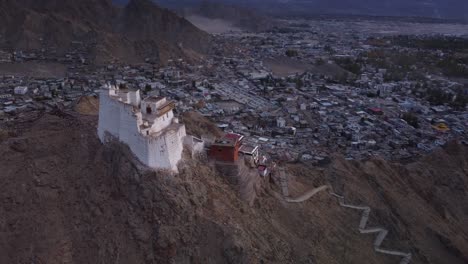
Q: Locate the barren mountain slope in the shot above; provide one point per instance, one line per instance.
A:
(423, 204)
(68, 199)
(132, 33)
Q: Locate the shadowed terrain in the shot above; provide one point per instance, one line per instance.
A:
(68, 199)
(106, 32)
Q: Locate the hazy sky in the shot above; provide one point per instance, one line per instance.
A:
(427, 8)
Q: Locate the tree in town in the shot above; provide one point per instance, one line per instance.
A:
(411, 119)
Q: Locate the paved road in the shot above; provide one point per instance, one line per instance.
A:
(241, 95)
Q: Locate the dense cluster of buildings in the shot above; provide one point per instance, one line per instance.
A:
(299, 116)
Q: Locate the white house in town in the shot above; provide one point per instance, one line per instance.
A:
(147, 126)
(21, 90)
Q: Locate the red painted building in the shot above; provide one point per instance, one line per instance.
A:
(227, 148)
(375, 111)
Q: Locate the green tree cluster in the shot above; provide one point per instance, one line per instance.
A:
(453, 68)
(460, 102)
(349, 65)
(292, 53)
(411, 119)
(436, 96)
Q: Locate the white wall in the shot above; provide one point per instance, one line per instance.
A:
(120, 120)
(166, 150)
(194, 145)
(109, 116)
(135, 98)
(162, 122)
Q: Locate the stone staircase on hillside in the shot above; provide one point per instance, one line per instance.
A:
(243, 179)
(281, 179)
(381, 233)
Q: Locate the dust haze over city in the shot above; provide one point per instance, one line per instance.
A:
(261, 131)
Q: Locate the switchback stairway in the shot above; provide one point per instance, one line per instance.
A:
(380, 232)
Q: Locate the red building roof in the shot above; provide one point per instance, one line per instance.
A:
(230, 139)
(236, 137)
(376, 110)
(227, 148)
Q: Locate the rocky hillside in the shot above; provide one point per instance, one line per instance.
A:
(241, 15)
(132, 33)
(65, 198)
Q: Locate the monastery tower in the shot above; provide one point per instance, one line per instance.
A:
(147, 126)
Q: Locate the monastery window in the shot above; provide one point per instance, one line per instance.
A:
(149, 111)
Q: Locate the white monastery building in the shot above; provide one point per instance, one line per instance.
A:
(147, 126)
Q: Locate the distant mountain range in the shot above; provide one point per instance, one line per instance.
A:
(241, 17)
(447, 9)
(132, 33)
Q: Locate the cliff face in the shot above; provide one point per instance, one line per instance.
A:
(68, 199)
(139, 30)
